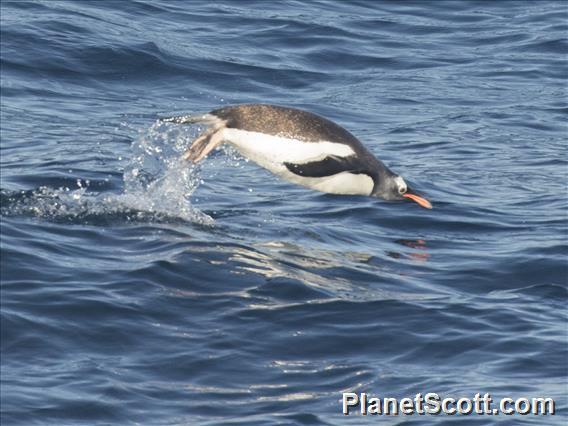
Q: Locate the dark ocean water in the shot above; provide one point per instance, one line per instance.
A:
(136, 290)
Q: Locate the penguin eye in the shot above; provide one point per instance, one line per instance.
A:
(402, 190)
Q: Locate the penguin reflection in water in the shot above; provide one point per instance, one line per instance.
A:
(300, 147)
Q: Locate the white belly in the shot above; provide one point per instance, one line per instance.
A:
(271, 152)
(342, 183)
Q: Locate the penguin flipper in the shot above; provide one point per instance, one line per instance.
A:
(330, 165)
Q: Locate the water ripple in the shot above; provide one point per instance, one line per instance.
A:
(139, 290)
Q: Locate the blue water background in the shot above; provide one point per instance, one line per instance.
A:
(137, 290)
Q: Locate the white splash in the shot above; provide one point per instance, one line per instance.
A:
(157, 180)
(157, 186)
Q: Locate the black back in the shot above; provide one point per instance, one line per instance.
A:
(283, 121)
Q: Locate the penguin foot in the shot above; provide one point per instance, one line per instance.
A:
(203, 145)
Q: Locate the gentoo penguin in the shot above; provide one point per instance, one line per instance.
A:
(301, 147)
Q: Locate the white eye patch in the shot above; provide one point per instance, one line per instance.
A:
(401, 185)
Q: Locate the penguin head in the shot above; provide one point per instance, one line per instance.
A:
(391, 186)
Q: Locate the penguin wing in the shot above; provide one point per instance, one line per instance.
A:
(329, 166)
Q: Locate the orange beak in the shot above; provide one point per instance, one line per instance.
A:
(422, 201)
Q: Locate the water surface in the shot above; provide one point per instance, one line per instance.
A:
(138, 290)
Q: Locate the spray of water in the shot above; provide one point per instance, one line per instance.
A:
(157, 179)
(157, 186)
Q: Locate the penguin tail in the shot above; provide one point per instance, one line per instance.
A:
(207, 119)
